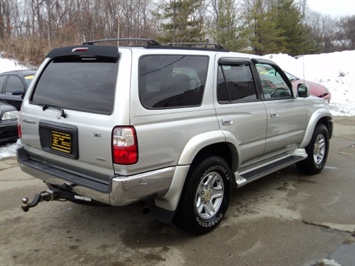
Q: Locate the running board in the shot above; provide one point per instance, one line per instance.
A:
(247, 177)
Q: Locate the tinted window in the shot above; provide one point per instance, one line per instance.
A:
(14, 83)
(171, 81)
(87, 85)
(235, 83)
(2, 81)
(274, 86)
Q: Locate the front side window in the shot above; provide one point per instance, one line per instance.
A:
(273, 85)
(172, 81)
(235, 84)
(78, 84)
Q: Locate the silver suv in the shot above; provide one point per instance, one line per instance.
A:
(178, 127)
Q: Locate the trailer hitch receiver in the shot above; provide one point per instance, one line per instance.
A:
(61, 193)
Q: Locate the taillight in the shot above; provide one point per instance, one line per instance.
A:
(124, 145)
(19, 131)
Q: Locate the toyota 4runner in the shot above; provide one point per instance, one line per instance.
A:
(178, 126)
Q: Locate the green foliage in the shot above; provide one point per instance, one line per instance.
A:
(276, 26)
(288, 19)
(180, 21)
(264, 34)
(223, 26)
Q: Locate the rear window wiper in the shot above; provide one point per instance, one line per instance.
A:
(62, 113)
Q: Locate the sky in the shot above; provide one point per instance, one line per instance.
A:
(334, 8)
(338, 77)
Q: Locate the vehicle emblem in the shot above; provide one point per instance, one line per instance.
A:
(29, 121)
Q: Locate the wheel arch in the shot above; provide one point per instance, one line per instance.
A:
(198, 148)
(318, 117)
(218, 143)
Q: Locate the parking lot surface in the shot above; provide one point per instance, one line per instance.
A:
(283, 219)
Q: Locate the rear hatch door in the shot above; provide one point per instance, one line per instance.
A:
(66, 118)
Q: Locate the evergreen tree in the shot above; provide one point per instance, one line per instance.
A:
(288, 18)
(223, 26)
(180, 21)
(261, 29)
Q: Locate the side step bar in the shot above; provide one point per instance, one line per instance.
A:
(247, 177)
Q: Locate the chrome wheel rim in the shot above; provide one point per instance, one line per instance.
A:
(319, 149)
(209, 195)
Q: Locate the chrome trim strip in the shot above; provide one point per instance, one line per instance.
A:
(28, 121)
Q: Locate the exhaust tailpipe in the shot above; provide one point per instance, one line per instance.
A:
(145, 207)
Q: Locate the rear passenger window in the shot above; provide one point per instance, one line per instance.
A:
(172, 81)
(235, 84)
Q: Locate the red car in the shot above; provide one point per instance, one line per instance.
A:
(316, 89)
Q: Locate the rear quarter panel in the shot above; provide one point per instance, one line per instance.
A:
(163, 134)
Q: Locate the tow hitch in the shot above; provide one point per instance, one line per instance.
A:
(44, 195)
(55, 193)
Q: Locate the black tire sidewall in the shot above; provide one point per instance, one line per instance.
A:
(320, 130)
(191, 221)
(309, 166)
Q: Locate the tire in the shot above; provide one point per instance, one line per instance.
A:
(205, 197)
(317, 151)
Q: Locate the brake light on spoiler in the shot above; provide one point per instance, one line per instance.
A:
(80, 49)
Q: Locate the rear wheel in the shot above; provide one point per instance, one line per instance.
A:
(205, 198)
(317, 151)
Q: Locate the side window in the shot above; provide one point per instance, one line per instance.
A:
(2, 81)
(235, 84)
(172, 81)
(273, 85)
(14, 84)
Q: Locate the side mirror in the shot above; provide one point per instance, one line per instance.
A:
(17, 92)
(303, 90)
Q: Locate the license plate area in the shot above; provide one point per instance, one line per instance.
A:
(60, 139)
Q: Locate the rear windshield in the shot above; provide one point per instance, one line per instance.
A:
(82, 84)
(172, 81)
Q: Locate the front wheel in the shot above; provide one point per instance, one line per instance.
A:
(205, 198)
(317, 151)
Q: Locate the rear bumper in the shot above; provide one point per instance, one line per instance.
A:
(120, 191)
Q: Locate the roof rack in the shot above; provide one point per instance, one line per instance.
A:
(197, 44)
(149, 42)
